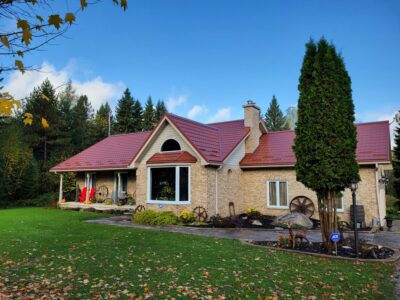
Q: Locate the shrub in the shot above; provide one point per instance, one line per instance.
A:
(151, 217)
(46, 199)
(252, 213)
(187, 216)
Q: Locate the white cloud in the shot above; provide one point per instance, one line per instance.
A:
(97, 90)
(196, 111)
(222, 114)
(173, 102)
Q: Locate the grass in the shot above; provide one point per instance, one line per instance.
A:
(47, 252)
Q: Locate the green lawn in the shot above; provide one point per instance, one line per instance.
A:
(52, 252)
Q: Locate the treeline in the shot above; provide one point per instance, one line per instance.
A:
(63, 124)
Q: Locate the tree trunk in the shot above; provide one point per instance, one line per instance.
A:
(328, 217)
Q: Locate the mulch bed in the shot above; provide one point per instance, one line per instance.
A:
(367, 251)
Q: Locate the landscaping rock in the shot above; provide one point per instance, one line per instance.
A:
(295, 219)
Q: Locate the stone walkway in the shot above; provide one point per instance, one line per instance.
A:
(384, 238)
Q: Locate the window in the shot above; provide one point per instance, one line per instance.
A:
(169, 184)
(170, 145)
(277, 194)
(339, 204)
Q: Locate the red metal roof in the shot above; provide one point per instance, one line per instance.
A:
(172, 157)
(275, 148)
(115, 151)
(213, 141)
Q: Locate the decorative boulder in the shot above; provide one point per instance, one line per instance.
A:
(295, 219)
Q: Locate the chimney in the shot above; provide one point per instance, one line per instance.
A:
(252, 120)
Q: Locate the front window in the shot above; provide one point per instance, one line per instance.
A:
(277, 194)
(169, 184)
(339, 204)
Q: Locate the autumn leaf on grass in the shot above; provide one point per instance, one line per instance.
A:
(28, 119)
(44, 123)
(55, 20)
(69, 18)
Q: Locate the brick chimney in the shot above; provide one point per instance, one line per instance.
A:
(252, 120)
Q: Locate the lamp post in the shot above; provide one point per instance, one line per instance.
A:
(353, 187)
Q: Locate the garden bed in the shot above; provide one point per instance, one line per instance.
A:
(368, 251)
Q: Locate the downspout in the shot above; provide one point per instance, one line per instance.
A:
(377, 193)
(216, 189)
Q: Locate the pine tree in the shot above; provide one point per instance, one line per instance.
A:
(101, 120)
(160, 110)
(148, 115)
(42, 103)
(274, 118)
(82, 113)
(137, 116)
(325, 142)
(125, 114)
(396, 163)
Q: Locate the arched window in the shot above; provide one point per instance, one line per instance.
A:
(170, 145)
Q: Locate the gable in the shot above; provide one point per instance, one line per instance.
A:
(165, 132)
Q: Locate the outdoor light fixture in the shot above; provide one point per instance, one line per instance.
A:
(353, 187)
(384, 180)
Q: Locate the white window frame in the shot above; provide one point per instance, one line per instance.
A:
(278, 206)
(340, 210)
(177, 180)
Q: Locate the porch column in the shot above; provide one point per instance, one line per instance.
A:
(60, 196)
(119, 187)
(87, 187)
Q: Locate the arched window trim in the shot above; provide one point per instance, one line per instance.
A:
(168, 140)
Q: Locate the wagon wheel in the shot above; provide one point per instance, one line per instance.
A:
(139, 208)
(302, 204)
(200, 214)
(101, 193)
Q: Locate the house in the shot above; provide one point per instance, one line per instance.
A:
(182, 164)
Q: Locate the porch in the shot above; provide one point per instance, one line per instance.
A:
(99, 207)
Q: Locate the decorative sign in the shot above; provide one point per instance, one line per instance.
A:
(335, 236)
(160, 205)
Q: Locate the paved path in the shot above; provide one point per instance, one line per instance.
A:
(384, 238)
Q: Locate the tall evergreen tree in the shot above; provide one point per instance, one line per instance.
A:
(148, 115)
(101, 122)
(125, 114)
(43, 134)
(325, 142)
(137, 116)
(274, 118)
(160, 110)
(82, 114)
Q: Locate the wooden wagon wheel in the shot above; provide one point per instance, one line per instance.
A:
(200, 214)
(101, 193)
(139, 208)
(302, 204)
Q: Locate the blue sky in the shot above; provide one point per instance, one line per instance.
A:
(206, 58)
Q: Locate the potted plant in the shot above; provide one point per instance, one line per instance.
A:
(391, 214)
